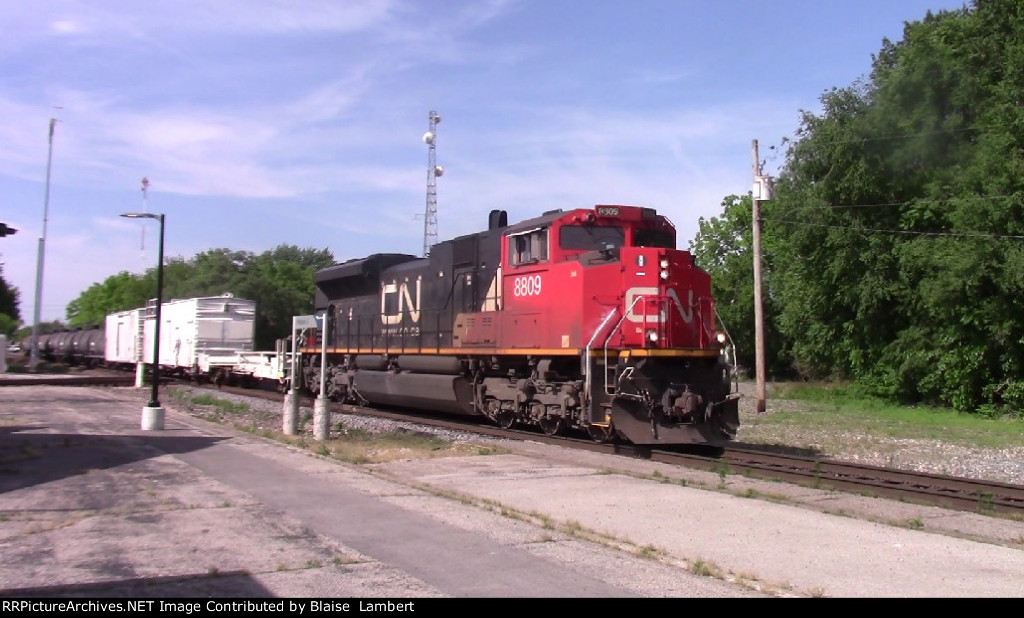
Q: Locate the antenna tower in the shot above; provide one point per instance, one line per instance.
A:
(433, 171)
(145, 208)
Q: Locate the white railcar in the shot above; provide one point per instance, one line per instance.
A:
(208, 337)
(197, 335)
(124, 338)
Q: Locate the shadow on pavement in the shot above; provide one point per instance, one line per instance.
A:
(232, 584)
(30, 458)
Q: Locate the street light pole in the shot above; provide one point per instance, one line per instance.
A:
(33, 359)
(153, 414)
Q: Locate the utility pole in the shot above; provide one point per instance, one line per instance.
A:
(762, 191)
(33, 357)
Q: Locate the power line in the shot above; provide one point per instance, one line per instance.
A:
(897, 136)
(914, 202)
(969, 234)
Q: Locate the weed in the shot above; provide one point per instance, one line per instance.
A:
(649, 552)
(223, 406)
(723, 473)
(699, 567)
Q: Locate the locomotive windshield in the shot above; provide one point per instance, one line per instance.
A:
(663, 239)
(590, 237)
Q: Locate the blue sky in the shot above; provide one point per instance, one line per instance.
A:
(265, 122)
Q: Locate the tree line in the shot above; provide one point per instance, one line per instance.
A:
(893, 250)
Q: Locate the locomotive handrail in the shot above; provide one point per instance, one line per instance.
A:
(588, 380)
(734, 379)
(612, 332)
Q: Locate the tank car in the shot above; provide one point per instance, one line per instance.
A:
(583, 320)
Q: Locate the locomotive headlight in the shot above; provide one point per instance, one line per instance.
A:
(663, 263)
(664, 275)
(720, 337)
(652, 336)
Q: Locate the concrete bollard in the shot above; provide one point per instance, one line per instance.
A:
(152, 418)
(291, 413)
(321, 419)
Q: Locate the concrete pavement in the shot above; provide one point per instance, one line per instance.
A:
(90, 505)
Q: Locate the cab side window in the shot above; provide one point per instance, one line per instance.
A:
(528, 247)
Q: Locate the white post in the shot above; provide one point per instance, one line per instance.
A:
(291, 400)
(321, 415)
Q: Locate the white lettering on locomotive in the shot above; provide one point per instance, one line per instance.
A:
(685, 312)
(404, 302)
(492, 299)
(527, 286)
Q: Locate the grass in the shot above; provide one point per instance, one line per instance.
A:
(348, 444)
(841, 408)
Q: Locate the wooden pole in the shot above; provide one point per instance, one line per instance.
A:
(758, 307)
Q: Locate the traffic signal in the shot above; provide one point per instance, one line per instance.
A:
(6, 230)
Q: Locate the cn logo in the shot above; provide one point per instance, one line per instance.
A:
(685, 312)
(403, 304)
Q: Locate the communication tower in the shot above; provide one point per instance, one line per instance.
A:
(433, 171)
(145, 208)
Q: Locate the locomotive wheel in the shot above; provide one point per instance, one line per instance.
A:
(551, 425)
(599, 434)
(505, 419)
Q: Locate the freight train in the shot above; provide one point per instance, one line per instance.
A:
(585, 320)
(203, 339)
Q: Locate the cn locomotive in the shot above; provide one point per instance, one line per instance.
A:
(586, 321)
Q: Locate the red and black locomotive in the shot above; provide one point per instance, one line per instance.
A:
(582, 320)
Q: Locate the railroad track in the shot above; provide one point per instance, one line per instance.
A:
(955, 493)
(961, 494)
(66, 380)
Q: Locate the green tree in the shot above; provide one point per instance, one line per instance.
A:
(8, 326)
(9, 306)
(116, 293)
(895, 229)
(281, 283)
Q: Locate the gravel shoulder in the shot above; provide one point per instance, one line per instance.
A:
(877, 449)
